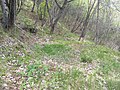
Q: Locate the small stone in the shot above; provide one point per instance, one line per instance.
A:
(5, 85)
(28, 86)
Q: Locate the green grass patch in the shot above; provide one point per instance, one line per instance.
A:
(56, 49)
(113, 84)
(97, 52)
(59, 52)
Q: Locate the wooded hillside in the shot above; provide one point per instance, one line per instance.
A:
(60, 45)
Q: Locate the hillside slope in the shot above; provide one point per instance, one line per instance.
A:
(40, 61)
(55, 62)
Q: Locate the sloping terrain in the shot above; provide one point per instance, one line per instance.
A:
(56, 62)
(40, 61)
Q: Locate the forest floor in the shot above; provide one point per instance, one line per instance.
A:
(55, 62)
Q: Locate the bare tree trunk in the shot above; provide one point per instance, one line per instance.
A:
(55, 20)
(59, 14)
(97, 24)
(74, 25)
(5, 13)
(12, 12)
(83, 30)
(85, 24)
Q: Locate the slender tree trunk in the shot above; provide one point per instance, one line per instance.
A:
(58, 16)
(83, 33)
(12, 13)
(74, 25)
(97, 24)
(85, 24)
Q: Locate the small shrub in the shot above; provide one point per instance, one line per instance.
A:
(86, 58)
(88, 55)
(27, 22)
(36, 70)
